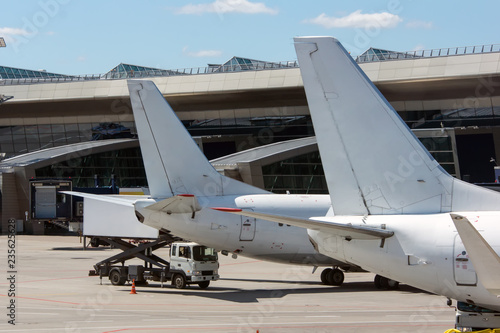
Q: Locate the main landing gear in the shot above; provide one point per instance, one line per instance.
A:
(332, 276)
(335, 277)
(385, 283)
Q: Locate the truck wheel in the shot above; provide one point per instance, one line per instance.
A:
(94, 242)
(179, 281)
(116, 278)
(204, 284)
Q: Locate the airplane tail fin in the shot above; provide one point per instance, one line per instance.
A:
(373, 163)
(173, 161)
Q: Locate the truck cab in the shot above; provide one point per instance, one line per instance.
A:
(191, 263)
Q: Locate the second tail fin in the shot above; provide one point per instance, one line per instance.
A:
(373, 163)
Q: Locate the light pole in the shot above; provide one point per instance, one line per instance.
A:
(4, 98)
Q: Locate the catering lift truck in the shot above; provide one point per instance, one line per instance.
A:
(117, 225)
(190, 263)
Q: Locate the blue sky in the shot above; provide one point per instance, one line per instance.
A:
(91, 37)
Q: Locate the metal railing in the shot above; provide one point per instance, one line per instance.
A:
(153, 73)
(382, 56)
(445, 52)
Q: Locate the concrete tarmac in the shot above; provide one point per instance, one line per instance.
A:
(53, 293)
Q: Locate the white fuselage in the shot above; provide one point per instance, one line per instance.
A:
(247, 236)
(425, 252)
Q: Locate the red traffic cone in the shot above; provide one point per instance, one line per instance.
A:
(133, 287)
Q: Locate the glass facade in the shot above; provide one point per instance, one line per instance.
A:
(245, 133)
(484, 116)
(304, 174)
(441, 149)
(21, 139)
(126, 165)
(301, 174)
(286, 126)
(16, 140)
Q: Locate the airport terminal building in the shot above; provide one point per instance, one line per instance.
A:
(249, 117)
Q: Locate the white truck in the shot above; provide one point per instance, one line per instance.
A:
(471, 318)
(190, 263)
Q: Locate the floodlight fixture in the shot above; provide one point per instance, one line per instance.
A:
(4, 98)
(2, 42)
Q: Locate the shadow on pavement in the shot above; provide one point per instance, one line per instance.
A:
(239, 295)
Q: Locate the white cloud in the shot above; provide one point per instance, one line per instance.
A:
(13, 31)
(205, 53)
(202, 53)
(10, 33)
(419, 24)
(357, 20)
(227, 6)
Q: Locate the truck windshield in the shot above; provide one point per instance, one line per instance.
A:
(203, 253)
(462, 306)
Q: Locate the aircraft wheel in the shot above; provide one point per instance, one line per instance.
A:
(116, 278)
(385, 283)
(179, 281)
(335, 277)
(392, 284)
(324, 275)
(204, 284)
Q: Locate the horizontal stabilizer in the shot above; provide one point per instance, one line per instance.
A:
(179, 204)
(348, 231)
(115, 199)
(485, 260)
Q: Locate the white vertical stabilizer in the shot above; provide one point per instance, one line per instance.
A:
(173, 161)
(373, 162)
